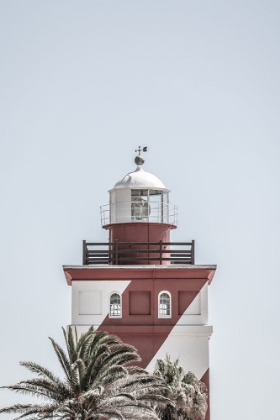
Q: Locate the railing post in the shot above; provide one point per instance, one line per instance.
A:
(116, 252)
(84, 252)
(160, 252)
(193, 253)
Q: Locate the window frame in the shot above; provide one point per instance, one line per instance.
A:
(120, 304)
(170, 304)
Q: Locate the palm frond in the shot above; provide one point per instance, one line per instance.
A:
(109, 412)
(114, 373)
(34, 391)
(80, 341)
(62, 358)
(115, 359)
(41, 371)
(45, 411)
(71, 348)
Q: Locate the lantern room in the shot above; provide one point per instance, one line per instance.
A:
(139, 197)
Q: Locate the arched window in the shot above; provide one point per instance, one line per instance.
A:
(164, 305)
(115, 305)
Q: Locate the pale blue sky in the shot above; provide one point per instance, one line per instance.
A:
(83, 83)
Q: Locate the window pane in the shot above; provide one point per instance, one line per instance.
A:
(115, 305)
(140, 208)
(164, 304)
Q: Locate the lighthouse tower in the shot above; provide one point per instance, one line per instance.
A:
(140, 285)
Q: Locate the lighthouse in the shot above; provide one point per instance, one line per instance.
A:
(140, 285)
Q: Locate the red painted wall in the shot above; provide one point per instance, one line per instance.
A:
(140, 232)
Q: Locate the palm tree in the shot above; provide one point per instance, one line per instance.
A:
(98, 383)
(187, 393)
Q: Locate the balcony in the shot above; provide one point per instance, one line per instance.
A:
(139, 211)
(138, 253)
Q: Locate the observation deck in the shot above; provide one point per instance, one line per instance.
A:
(138, 253)
(139, 210)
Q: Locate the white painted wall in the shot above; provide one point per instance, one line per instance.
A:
(197, 312)
(190, 344)
(123, 206)
(91, 300)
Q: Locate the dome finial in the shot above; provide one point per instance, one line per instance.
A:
(139, 160)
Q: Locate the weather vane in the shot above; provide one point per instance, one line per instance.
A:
(139, 160)
(139, 150)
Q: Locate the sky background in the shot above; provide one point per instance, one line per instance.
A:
(82, 84)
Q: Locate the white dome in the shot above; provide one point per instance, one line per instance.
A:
(140, 179)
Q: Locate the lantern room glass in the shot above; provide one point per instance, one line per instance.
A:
(149, 205)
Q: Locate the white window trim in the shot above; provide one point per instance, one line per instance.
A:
(120, 295)
(169, 294)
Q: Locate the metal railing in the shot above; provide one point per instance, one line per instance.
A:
(151, 212)
(135, 253)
